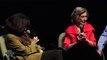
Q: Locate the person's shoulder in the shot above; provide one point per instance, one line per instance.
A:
(106, 27)
(88, 26)
(71, 27)
(11, 36)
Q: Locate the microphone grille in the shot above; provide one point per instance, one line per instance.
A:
(81, 26)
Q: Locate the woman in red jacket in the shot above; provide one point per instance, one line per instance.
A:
(79, 36)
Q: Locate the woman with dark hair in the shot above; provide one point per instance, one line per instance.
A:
(80, 37)
(18, 22)
(22, 44)
(17, 39)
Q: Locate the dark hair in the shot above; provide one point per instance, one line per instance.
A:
(17, 23)
(77, 12)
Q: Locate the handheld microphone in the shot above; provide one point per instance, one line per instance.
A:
(81, 28)
(31, 33)
(81, 36)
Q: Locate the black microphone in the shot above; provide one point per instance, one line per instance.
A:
(81, 31)
(31, 33)
(81, 28)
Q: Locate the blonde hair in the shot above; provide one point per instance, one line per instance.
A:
(77, 12)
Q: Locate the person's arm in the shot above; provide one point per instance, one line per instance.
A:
(15, 43)
(100, 44)
(91, 41)
(38, 47)
(72, 45)
(102, 41)
(69, 41)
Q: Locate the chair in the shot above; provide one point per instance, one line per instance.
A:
(3, 49)
(61, 40)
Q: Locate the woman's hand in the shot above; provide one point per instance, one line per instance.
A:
(35, 39)
(81, 37)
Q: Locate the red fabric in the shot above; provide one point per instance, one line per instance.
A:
(72, 33)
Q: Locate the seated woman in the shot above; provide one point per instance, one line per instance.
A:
(22, 45)
(80, 40)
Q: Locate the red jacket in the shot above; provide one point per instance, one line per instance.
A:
(72, 33)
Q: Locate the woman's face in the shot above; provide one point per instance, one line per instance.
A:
(82, 18)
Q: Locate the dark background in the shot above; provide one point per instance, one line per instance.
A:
(50, 17)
